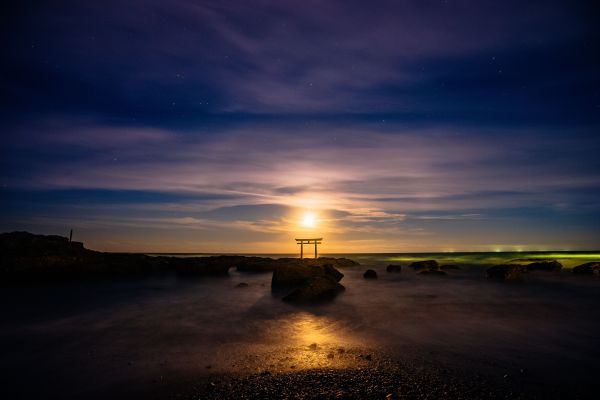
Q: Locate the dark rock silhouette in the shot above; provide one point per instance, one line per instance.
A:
(262, 264)
(432, 272)
(505, 272)
(427, 264)
(370, 274)
(544, 266)
(306, 283)
(25, 256)
(449, 266)
(394, 268)
(587, 268)
(319, 288)
(300, 273)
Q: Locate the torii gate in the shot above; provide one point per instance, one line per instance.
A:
(302, 242)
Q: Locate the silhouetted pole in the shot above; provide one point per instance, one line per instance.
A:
(71, 236)
(302, 242)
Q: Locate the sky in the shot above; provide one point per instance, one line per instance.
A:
(218, 126)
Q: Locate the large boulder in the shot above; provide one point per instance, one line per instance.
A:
(297, 273)
(306, 283)
(505, 272)
(544, 266)
(427, 264)
(587, 268)
(370, 274)
(394, 268)
(318, 288)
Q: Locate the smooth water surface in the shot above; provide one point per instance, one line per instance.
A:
(105, 338)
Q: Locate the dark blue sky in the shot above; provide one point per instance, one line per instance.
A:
(216, 126)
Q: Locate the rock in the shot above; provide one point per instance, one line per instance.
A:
(587, 268)
(200, 266)
(394, 268)
(432, 272)
(297, 273)
(544, 266)
(263, 264)
(505, 272)
(428, 264)
(256, 264)
(25, 256)
(241, 285)
(370, 274)
(310, 283)
(449, 266)
(319, 288)
(28, 244)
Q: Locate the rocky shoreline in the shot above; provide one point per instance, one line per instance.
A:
(29, 257)
(258, 327)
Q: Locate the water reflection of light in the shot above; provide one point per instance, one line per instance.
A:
(306, 341)
(308, 329)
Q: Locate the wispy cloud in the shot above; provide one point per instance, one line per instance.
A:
(360, 179)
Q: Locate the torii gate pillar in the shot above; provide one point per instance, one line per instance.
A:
(302, 242)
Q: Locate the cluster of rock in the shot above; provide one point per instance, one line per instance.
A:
(505, 272)
(25, 256)
(39, 257)
(515, 271)
(426, 267)
(587, 268)
(308, 280)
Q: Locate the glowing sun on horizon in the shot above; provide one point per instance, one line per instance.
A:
(309, 220)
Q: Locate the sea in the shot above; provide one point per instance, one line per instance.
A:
(137, 337)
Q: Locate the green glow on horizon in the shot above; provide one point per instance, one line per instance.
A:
(569, 260)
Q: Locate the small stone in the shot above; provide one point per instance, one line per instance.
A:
(370, 274)
(313, 346)
(394, 268)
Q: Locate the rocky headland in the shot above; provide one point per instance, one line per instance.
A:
(30, 257)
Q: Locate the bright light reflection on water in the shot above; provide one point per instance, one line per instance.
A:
(303, 340)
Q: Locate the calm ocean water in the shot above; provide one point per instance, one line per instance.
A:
(569, 259)
(107, 339)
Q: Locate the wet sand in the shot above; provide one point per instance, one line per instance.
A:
(404, 335)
